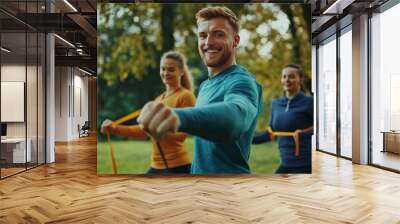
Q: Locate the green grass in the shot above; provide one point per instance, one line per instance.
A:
(133, 156)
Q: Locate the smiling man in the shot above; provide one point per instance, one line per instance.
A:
(228, 102)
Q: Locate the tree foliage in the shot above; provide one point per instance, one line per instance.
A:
(132, 38)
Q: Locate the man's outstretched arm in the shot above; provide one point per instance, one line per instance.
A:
(261, 138)
(222, 122)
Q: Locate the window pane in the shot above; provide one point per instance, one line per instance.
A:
(385, 88)
(13, 84)
(327, 96)
(345, 94)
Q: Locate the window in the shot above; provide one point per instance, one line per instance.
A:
(22, 66)
(385, 86)
(327, 96)
(346, 93)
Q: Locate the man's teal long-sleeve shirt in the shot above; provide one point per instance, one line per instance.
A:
(223, 121)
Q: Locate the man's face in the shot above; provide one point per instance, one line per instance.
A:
(216, 41)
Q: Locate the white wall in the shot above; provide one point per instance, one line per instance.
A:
(13, 73)
(61, 103)
(71, 94)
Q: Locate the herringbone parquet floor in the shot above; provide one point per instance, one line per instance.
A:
(69, 191)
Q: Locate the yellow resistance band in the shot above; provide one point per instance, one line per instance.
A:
(295, 136)
(121, 120)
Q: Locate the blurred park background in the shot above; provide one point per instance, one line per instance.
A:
(132, 38)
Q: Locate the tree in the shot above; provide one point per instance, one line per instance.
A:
(132, 38)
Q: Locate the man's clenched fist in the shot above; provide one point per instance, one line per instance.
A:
(106, 125)
(158, 120)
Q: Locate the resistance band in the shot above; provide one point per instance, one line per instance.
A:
(162, 154)
(295, 136)
(121, 120)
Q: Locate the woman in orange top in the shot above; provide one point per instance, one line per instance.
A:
(179, 93)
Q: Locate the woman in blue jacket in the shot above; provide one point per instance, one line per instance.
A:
(291, 113)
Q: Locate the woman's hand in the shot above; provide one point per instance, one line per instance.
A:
(158, 120)
(106, 126)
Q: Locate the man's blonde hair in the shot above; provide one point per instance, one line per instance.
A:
(219, 12)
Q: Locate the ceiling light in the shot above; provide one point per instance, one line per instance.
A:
(70, 5)
(65, 41)
(86, 72)
(79, 51)
(337, 7)
(5, 49)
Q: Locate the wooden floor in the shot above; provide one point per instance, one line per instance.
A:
(10, 171)
(387, 159)
(69, 191)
